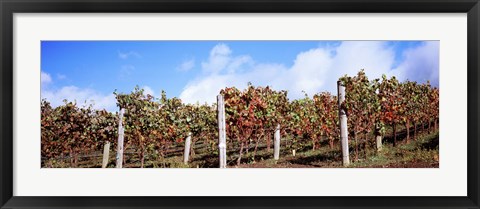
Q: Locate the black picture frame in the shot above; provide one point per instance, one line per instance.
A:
(9, 7)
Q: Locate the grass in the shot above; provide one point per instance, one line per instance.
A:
(421, 153)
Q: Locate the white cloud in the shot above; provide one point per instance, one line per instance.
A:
(186, 65)
(45, 78)
(147, 90)
(307, 74)
(83, 97)
(313, 71)
(238, 64)
(204, 90)
(376, 57)
(220, 59)
(421, 64)
(61, 76)
(126, 55)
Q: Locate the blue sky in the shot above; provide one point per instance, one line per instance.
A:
(89, 71)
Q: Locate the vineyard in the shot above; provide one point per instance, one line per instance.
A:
(366, 120)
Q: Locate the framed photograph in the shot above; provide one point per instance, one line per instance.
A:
(237, 104)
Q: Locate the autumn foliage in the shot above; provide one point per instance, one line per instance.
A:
(154, 126)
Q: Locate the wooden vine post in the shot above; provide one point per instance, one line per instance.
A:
(276, 143)
(106, 153)
(343, 123)
(120, 139)
(222, 136)
(378, 139)
(186, 153)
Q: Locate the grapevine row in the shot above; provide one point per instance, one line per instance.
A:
(153, 126)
